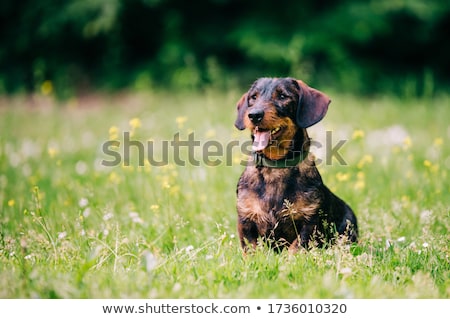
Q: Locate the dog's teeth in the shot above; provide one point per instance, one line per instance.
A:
(275, 130)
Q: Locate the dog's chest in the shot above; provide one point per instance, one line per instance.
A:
(273, 196)
(266, 187)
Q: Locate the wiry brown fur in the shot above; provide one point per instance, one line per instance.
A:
(289, 207)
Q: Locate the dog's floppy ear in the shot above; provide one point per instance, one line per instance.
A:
(242, 106)
(312, 105)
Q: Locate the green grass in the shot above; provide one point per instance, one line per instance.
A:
(72, 228)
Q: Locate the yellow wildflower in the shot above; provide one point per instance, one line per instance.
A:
(434, 168)
(147, 166)
(427, 163)
(405, 200)
(128, 168)
(395, 149)
(135, 123)
(342, 177)
(358, 134)
(180, 121)
(175, 189)
(11, 203)
(113, 133)
(210, 133)
(438, 141)
(360, 184)
(154, 207)
(236, 159)
(367, 159)
(47, 87)
(114, 178)
(407, 143)
(52, 152)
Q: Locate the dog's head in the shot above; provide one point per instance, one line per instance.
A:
(274, 109)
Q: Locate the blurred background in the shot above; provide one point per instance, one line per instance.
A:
(76, 75)
(357, 46)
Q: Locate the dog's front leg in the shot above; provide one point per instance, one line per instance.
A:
(294, 246)
(303, 239)
(248, 234)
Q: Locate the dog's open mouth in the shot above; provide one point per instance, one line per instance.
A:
(263, 137)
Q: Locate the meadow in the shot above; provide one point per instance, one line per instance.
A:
(73, 227)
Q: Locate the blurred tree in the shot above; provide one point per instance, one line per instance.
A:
(362, 46)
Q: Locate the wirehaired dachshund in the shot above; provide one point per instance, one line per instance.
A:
(281, 198)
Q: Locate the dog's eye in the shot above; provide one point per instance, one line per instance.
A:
(253, 96)
(282, 96)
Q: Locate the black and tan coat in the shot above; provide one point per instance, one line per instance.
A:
(280, 195)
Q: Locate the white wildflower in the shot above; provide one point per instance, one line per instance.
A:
(135, 218)
(86, 212)
(83, 202)
(149, 260)
(346, 271)
(108, 216)
(189, 248)
(81, 168)
(176, 287)
(62, 235)
(425, 216)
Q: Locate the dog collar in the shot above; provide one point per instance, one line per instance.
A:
(261, 161)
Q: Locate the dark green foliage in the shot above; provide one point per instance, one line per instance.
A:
(355, 45)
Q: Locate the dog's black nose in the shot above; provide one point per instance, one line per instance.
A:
(256, 116)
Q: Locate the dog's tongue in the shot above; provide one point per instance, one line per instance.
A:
(261, 140)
